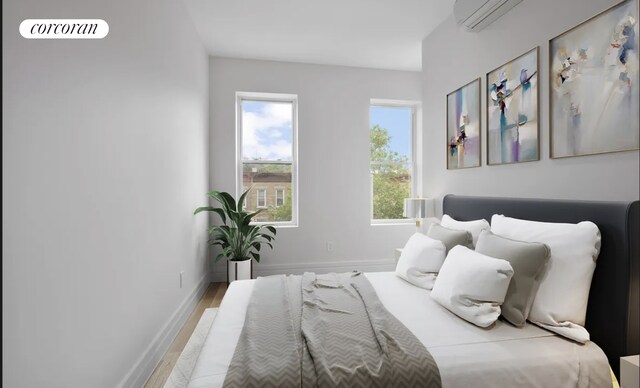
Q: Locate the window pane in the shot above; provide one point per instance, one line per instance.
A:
(279, 197)
(396, 122)
(391, 136)
(262, 198)
(391, 185)
(264, 179)
(267, 130)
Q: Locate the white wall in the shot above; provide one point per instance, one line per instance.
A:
(104, 158)
(452, 57)
(333, 118)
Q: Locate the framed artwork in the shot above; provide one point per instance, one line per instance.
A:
(512, 111)
(593, 68)
(463, 126)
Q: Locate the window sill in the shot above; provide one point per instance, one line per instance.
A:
(284, 226)
(277, 225)
(392, 222)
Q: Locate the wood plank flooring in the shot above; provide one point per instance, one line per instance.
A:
(211, 298)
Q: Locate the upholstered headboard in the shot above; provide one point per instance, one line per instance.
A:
(613, 319)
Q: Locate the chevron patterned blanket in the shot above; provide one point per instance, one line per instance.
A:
(326, 331)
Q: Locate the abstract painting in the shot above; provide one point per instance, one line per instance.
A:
(512, 111)
(463, 126)
(594, 95)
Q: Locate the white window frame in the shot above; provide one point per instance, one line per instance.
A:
(414, 157)
(284, 191)
(270, 97)
(263, 191)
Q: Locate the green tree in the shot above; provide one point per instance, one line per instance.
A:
(390, 174)
(282, 212)
(263, 168)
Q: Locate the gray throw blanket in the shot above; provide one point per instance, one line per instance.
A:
(326, 331)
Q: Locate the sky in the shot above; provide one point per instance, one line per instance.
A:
(267, 129)
(397, 121)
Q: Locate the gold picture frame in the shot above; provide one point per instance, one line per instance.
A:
(593, 88)
(513, 110)
(463, 126)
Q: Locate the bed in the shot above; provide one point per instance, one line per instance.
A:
(503, 355)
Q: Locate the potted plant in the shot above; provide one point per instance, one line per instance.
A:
(239, 239)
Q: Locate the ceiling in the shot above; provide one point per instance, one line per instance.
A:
(382, 34)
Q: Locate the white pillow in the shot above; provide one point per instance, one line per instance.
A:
(474, 227)
(560, 304)
(421, 260)
(472, 285)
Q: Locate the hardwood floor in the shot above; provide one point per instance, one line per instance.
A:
(211, 298)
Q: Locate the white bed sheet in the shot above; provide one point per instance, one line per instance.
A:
(467, 355)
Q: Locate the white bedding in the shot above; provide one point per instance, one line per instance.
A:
(501, 356)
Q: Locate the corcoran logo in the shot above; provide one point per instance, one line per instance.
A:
(64, 28)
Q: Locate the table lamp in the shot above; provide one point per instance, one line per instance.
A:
(415, 208)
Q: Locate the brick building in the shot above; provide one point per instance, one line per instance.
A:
(268, 190)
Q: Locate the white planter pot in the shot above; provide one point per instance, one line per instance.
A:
(239, 270)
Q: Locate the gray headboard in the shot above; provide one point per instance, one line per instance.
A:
(613, 310)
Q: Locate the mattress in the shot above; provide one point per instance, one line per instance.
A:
(467, 355)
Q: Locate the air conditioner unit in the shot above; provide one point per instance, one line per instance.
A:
(477, 14)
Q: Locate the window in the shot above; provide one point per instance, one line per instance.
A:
(262, 198)
(279, 197)
(392, 139)
(267, 152)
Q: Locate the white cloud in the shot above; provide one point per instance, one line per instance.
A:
(264, 132)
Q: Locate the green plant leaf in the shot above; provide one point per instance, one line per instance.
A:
(217, 210)
(228, 199)
(247, 217)
(242, 197)
(237, 237)
(227, 251)
(223, 200)
(203, 209)
(266, 236)
(220, 212)
(236, 217)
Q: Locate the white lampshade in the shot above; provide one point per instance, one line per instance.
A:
(415, 208)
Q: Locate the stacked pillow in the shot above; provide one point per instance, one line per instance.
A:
(474, 227)
(472, 285)
(528, 260)
(420, 260)
(464, 271)
(422, 256)
(520, 269)
(450, 237)
(560, 305)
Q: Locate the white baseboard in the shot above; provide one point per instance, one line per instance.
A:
(146, 364)
(219, 273)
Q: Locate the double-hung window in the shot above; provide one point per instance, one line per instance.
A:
(393, 158)
(267, 155)
(279, 197)
(262, 198)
